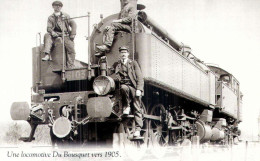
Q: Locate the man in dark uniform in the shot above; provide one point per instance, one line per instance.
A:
(54, 29)
(129, 74)
(127, 13)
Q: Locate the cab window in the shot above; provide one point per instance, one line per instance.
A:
(225, 78)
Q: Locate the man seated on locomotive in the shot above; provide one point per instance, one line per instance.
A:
(129, 75)
(54, 30)
(127, 13)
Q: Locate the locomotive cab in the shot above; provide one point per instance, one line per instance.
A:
(228, 96)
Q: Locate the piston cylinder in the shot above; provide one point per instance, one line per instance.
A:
(204, 131)
(217, 134)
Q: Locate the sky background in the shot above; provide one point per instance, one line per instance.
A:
(223, 32)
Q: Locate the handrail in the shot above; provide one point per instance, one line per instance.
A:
(89, 67)
(63, 51)
(38, 64)
(134, 23)
(63, 45)
(76, 17)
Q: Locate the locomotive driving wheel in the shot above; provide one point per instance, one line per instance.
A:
(158, 131)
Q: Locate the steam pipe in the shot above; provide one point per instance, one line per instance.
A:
(160, 31)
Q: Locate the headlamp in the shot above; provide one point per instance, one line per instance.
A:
(102, 85)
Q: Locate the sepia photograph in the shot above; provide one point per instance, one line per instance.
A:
(130, 80)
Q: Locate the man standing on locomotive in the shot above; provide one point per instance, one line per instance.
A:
(130, 77)
(56, 22)
(127, 13)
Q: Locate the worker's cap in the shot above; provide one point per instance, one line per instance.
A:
(123, 48)
(57, 3)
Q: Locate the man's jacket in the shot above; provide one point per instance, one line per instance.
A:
(52, 20)
(128, 12)
(134, 73)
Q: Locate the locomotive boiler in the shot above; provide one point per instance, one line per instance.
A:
(184, 99)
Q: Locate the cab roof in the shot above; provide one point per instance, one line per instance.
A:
(219, 71)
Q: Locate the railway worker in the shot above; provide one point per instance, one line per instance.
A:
(129, 74)
(54, 31)
(127, 13)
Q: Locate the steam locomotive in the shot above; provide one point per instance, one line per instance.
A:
(184, 99)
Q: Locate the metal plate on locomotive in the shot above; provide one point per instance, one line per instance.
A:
(76, 74)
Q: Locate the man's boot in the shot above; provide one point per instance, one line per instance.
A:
(46, 58)
(127, 110)
(137, 133)
(103, 48)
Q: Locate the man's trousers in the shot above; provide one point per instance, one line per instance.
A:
(128, 95)
(110, 33)
(69, 47)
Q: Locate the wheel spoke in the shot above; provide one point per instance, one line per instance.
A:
(160, 134)
(165, 139)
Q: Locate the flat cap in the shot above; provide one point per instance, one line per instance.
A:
(57, 3)
(123, 48)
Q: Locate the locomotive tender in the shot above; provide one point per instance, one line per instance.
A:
(184, 99)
